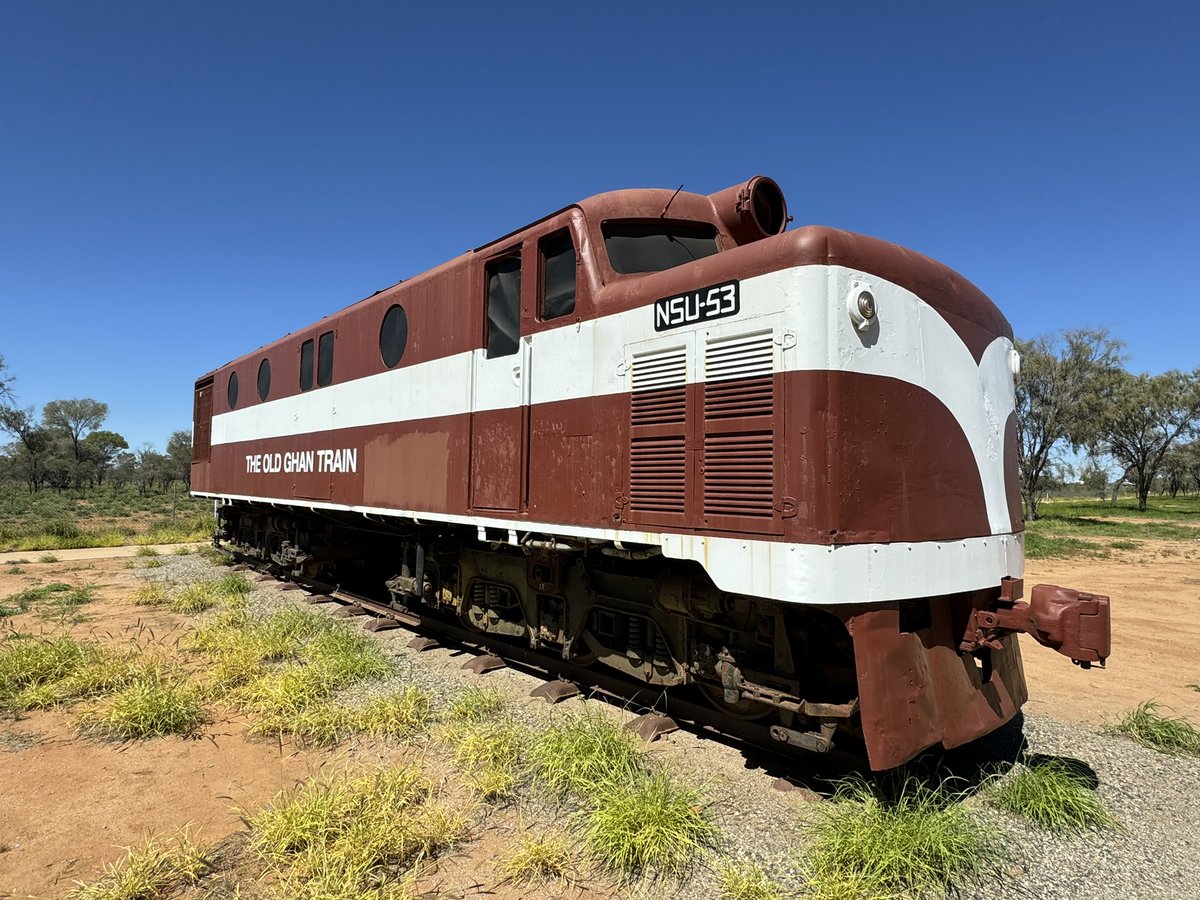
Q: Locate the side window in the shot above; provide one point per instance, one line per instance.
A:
(393, 335)
(264, 379)
(503, 306)
(233, 390)
(558, 275)
(306, 365)
(325, 359)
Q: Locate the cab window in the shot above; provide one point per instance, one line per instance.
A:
(558, 275)
(655, 246)
(503, 306)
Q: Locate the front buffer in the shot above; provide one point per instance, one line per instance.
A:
(947, 670)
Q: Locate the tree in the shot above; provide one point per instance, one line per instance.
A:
(1057, 400)
(99, 449)
(75, 419)
(179, 452)
(1094, 478)
(35, 444)
(1143, 417)
(7, 397)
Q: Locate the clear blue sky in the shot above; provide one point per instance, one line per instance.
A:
(181, 183)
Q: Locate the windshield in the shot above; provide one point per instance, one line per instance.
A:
(655, 246)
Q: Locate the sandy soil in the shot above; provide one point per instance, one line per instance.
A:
(1155, 593)
(67, 804)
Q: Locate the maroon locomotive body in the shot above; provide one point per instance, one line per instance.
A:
(660, 434)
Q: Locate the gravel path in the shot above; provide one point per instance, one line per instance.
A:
(1155, 797)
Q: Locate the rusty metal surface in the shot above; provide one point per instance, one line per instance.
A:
(651, 726)
(421, 644)
(483, 664)
(555, 691)
(1075, 623)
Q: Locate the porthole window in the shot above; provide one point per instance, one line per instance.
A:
(232, 390)
(393, 336)
(264, 379)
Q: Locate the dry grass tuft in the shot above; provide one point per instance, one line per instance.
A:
(152, 707)
(741, 880)
(1052, 796)
(1166, 734)
(354, 836)
(538, 859)
(154, 871)
(921, 841)
(648, 824)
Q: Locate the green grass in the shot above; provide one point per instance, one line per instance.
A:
(49, 600)
(155, 871)
(151, 707)
(401, 714)
(490, 754)
(195, 598)
(98, 517)
(1053, 797)
(1166, 734)
(215, 556)
(346, 837)
(652, 824)
(146, 551)
(583, 752)
(739, 880)
(284, 669)
(1183, 508)
(538, 859)
(36, 673)
(475, 704)
(1075, 528)
(922, 840)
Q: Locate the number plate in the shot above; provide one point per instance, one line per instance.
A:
(716, 302)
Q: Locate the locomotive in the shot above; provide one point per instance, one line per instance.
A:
(666, 436)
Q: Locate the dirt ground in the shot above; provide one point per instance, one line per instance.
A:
(1155, 593)
(68, 804)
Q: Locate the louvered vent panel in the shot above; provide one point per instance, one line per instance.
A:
(739, 474)
(739, 440)
(739, 356)
(658, 414)
(657, 469)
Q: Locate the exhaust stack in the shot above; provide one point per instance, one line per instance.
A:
(752, 210)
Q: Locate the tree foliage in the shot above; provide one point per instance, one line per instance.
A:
(1058, 400)
(1143, 417)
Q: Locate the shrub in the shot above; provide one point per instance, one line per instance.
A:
(1147, 726)
(1052, 796)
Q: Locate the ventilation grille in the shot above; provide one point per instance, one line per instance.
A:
(656, 479)
(740, 356)
(739, 440)
(658, 415)
(739, 474)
